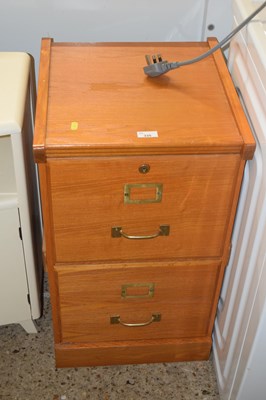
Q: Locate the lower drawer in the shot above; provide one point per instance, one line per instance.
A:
(140, 301)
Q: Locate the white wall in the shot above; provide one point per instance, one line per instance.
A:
(24, 22)
(219, 14)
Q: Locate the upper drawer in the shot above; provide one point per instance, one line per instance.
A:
(93, 199)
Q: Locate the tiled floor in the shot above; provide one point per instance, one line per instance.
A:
(27, 373)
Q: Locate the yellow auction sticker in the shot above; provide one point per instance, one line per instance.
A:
(74, 125)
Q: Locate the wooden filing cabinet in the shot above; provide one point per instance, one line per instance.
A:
(140, 179)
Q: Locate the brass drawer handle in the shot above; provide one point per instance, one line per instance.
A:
(117, 231)
(117, 320)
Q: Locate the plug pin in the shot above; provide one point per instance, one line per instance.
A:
(159, 57)
(148, 59)
(154, 59)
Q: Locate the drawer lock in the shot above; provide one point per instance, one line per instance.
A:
(144, 168)
(117, 320)
(117, 231)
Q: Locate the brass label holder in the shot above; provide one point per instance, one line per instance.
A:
(126, 290)
(129, 187)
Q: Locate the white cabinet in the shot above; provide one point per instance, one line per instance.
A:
(239, 344)
(20, 228)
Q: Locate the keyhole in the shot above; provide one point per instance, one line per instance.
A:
(144, 168)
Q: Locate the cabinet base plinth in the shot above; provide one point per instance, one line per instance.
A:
(133, 352)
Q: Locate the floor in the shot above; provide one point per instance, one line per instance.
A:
(27, 372)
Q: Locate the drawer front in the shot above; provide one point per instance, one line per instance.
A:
(123, 302)
(165, 206)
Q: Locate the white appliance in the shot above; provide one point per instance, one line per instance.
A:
(20, 229)
(239, 338)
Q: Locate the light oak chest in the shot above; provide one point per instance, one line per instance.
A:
(140, 179)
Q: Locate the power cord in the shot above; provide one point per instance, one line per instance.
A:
(157, 66)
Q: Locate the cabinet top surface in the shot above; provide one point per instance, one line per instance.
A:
(95, 98)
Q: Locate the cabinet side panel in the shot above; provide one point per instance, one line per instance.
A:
(42, 102)
(49, 246)
(249, 143)
(228, 238)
